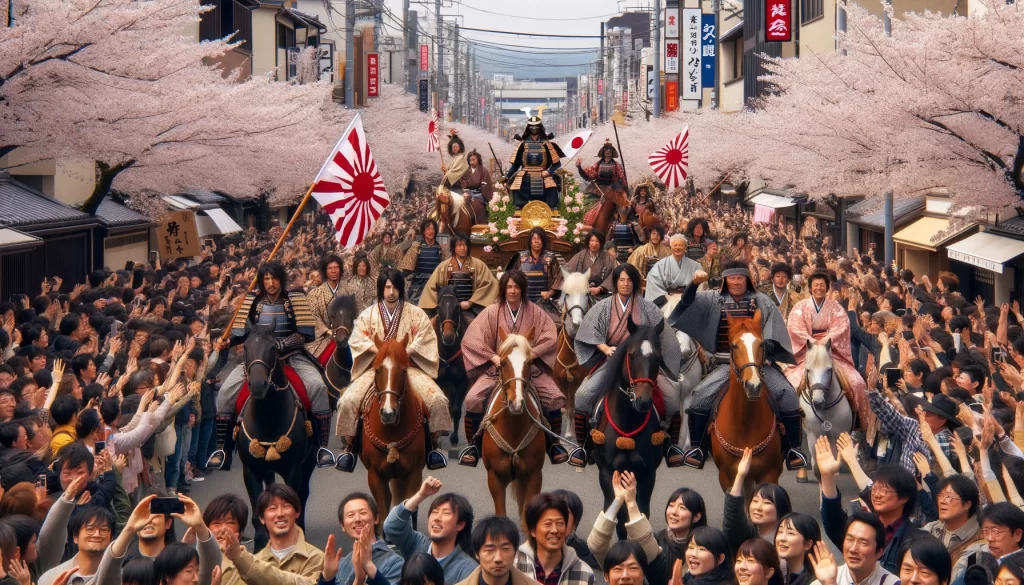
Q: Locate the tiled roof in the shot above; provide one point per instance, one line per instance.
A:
(871, 212)
(113, 214)
(1011, 227)
(23, 206)
(200, 196)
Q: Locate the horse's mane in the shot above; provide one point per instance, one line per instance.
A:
(575, 283)
(341, 302)
(514, 341)
(818, 357)
(394, 349)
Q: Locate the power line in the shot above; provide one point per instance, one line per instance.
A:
(596, 16)
(528, 34)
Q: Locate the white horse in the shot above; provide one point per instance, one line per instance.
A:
(826, 409)
(575, 303)
(691, 368)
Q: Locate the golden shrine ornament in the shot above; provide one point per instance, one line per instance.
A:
(535, 214)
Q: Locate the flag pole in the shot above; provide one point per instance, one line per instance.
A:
(277, 246)
(622, 157)
(288, 228)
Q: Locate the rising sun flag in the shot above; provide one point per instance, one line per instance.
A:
(672, 162)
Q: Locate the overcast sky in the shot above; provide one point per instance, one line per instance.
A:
(567, 17)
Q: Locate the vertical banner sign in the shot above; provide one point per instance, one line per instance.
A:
(625, 100)
(708, 50)
(178, 235)
(777, 21)
(651, 80)
(671, 96)
(691, 53)
(424, 96)
(600, 87)
(671, 23)
(372, 75)
(672, 56)
(424, 57)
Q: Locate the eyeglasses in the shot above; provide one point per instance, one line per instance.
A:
(949, 498)
(881, 490)
(100, 530)
(994, 532)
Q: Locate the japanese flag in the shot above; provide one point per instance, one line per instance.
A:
(349, 187)
(433, 131)
(672, 162)
(576, 143)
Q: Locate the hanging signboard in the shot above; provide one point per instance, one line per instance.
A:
(424, 96)
(671, 96)
(777, 21)
(424, 57)
(671, 23)
(372, 75)
(178, 236)
(691, 53)
(672, 56)
(708, 49)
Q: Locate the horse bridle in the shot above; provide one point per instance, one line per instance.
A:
(739, 369)
(270, 371)
(631, 391)
(458, 326)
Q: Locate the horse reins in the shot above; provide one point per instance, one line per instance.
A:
(270, 372)
(440, 332)
(391, 448)
(630, 392)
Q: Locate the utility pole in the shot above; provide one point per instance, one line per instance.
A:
(408, 66)
(467, 76)
(442, 84)
(716, 8)
(657, 60)
(457, 94)
(350, 54)
(890, 221)
(600, 80)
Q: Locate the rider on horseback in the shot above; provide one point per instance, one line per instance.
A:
(606, 173)
(289, 315)
(704, 316)
(420, 260)
(392, 318)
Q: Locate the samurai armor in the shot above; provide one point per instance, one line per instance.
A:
(428, 259)
(463, 282)
(536, 279)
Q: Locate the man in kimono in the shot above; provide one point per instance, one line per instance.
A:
(386, 254)
(289, 315)
(476, 184)
(819, 319)
(646, 256)
(475, 286)
(319, 299)
(704, 317)
(422, 258)
(672, 274)
(543, 273)
(606, 326)
(392, 318)
(533, 165)
(513, 312)
(779, 289)
(457, 167)
(594, 259)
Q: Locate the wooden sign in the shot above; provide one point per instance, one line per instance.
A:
(177, 235)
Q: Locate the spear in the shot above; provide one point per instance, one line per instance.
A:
(622, 158)
(496, 159)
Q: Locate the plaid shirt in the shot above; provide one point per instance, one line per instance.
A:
(570, 571)
(896, 426)
(549, 578)
(945, 440)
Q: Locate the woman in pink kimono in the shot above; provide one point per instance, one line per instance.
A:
(818, 319)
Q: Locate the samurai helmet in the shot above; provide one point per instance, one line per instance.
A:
(605, 147)
(534, 121)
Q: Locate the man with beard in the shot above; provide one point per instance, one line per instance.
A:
(278, 508)
(475, 286)
(92, 529)
(449, 524)
(533, 165)
(153, 533)
(358, 513)
(476, 183)
(704, 316)
(289, 316)
(319, 299)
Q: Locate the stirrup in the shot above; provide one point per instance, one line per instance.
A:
(795, 459)
(217, 459)
(694, 458)
(324, 458)
(801, 476)
(674, 457)
(558, 454)
(578, 458)
(470, 456)
(436, 460)
(346, 461)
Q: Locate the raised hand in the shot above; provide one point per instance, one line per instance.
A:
(824, 564)
(846, 448)
(332, 559)
(827, 462)
(921, 462)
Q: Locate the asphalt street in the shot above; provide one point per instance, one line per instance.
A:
(330, 486)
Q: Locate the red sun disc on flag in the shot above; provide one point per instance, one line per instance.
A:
(577, 142)
(672, 162)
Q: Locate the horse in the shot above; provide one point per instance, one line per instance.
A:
(451, 373)
(611, 199)
(628, 436)
(513, 442)
(341, 317)
(394, 441)
(453, 213)
(826, 409)
(745, 417)
(567, 371)
(274, 435)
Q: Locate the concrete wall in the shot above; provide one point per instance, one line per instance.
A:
(115, 258)
(69, 181)
(264, 41)
(818, 36)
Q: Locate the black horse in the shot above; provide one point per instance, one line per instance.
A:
(341, 317)
(272, 434)
(451, 371)
(628, 435)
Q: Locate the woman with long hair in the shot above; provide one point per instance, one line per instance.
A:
(794, 540)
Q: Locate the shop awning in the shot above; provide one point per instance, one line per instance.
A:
(773, 201)
(986, 250)
(215, 222)
(11, 238)
(920, 234)
(178, 202)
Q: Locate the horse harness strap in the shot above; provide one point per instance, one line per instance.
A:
(271, 450)
(558, 356)
(392, 448)
(737, 451)
(488, 423)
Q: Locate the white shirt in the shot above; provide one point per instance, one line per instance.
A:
(877, 577)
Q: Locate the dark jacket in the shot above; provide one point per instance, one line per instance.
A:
(673, 550)
(834, 520)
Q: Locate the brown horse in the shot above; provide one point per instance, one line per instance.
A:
(513, 443)
(611, 198)
(745, 417)
(394, 444)
(453, 213)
